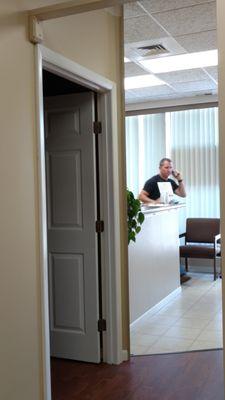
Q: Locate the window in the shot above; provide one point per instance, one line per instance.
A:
(190, 138)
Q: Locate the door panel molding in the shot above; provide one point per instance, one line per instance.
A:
(63, 317)
(112, 338)
(67, 160)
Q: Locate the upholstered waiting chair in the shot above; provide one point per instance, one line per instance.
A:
(201, 240)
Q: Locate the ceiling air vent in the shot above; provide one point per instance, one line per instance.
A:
(152, 50)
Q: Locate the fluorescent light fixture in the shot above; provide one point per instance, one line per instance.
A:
(141, 81)
(126, 60)
(182, 62)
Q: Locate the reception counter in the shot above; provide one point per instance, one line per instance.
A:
(154, 266)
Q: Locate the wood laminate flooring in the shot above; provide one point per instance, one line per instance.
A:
(184, 376)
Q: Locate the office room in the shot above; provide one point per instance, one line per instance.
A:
(172, 112)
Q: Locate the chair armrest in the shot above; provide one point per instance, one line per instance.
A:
(217, 237)
(182, 235)
(217, 246)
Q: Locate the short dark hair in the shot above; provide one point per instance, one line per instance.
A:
(161, 162)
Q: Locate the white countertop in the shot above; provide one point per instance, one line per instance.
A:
(156, 208)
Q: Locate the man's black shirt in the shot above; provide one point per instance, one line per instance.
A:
(152, 188)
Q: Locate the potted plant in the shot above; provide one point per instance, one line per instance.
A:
(134, 216)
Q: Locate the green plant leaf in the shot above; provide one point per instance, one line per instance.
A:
(134, 216)
(138, 229)
(141, 218)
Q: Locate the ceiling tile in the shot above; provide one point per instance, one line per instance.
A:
(170, 96)
(133, 10)
(198, 41)
(213, 71)
(130, 101)
(195, 19)
(130, 95)
(195, 86)
(141, 28)
(166, 5)
(152, 91)
(191, 24)
(132, 69)
(183, 76)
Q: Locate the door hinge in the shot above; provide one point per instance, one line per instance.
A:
(101, 325)
(97, 127)
(99, 226)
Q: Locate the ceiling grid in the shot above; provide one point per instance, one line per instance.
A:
(181, 26)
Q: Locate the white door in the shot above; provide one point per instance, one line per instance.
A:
(72, 240)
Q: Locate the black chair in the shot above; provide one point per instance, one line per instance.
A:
(202, 240)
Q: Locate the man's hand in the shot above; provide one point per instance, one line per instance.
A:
(177, 175)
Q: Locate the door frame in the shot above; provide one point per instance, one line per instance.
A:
(109, 194)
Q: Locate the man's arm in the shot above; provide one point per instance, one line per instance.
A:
(180, 191)
(143, 196)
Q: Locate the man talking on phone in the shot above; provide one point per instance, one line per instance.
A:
(151, 190)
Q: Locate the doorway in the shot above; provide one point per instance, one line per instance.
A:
(104, 96)
(73, 215)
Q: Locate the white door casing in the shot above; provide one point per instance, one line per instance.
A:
(111, 281)
(72, 239)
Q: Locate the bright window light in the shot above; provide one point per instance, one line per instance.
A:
(141, 81)
(126, 60)
(181, 62)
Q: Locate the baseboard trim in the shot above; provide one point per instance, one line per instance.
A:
(153, 310)
(125, 355)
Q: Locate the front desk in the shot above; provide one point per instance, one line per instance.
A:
(154, 265)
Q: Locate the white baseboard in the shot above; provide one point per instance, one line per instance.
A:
(125, 355)
(153, 310)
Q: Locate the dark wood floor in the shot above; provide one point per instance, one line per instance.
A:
(183, 376)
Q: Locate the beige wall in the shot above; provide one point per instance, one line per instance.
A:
(93, 41)
(19, 286)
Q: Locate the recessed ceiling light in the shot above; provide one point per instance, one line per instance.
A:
(141, 81)
(126, 60)
(182, 62)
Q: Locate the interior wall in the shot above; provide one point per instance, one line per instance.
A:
(221, 47)
(93, 41)
(20, 372)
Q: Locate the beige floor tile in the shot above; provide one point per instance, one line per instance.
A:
(143, 340)
(183, 333)
(192, 323)
(137, 350)
(205, 345)
(171, 312)
(198, 314)
(178, 306)
(153, 329)
(219, 316)
(203, 312)
(216, 325)
(194, 296)
(170, 344)
(210, 336)
(163, 320)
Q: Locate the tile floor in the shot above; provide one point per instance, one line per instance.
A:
(190, 321)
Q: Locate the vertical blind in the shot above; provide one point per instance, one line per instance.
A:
(190, 138)
(145, 146)
(194, 150)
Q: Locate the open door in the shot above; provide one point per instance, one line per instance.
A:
(72, 239)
